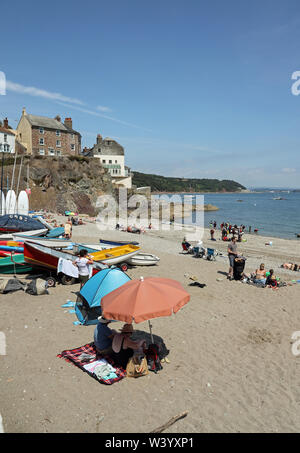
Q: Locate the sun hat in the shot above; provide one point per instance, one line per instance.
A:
(127, 328)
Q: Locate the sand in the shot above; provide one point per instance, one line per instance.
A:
(231, 362)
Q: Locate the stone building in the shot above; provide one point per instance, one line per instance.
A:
(112, 157)
(48, 136)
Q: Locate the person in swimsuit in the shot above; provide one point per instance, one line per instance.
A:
(260, 275)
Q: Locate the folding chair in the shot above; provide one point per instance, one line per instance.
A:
(211, 255)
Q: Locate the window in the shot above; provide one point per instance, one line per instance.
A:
(116, 161)
(72, 136)
(58, 133)
(110, 161)
(42, 142)
(6, 148)
(103, 161)
(58, 152)
(41, 130)
(5, 137)
(42, 152)
(51, 152)
(58, 143)
(73, 147)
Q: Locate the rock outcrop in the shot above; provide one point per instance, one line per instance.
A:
(61, 183)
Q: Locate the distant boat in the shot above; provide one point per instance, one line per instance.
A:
(279, 198)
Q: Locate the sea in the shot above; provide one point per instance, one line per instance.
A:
(260, 210)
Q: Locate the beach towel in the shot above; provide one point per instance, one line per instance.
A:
(76, 357)
(67, 268)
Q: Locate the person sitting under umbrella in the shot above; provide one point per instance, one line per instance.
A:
(124, 348)
(103, 336)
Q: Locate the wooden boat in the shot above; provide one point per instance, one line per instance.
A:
(39, 255)
(26, 234)
(44, 257)
(143, 259)
(115, 255)
(4, 253)
(14, 264)
(14, 223)
(117, 243)
(54, 243)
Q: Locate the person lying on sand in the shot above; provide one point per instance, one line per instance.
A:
(291, 266)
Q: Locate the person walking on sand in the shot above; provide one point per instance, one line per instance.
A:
(232, 254)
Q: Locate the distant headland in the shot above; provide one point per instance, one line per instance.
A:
(165, 184)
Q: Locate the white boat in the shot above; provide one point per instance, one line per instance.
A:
(52, 243)
(26, 234)
(143, 259)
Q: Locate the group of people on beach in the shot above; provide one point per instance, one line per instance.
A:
(117, 345)
(260, 277)
(226, 230)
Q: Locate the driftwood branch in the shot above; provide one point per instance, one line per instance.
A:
(171, 422)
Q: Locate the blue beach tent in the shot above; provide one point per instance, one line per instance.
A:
(88, 305)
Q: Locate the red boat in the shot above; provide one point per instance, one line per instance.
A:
(44, 257)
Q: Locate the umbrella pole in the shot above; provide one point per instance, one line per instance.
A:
(150, 327)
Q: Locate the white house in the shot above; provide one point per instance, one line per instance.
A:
(111, 155)
(7, 139)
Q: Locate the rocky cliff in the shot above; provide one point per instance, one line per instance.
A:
(60, 183)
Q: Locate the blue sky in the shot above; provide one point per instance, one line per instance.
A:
(194, 89)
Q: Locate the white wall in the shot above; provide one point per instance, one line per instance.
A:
(10, 141)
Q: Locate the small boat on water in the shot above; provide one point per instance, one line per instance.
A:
(14, 264)
(143, 259)
(117, 243)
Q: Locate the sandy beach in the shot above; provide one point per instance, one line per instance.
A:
(231, 362)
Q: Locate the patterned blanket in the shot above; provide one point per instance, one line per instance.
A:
(87, 354)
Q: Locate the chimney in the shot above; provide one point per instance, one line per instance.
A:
(5, 123)
(99, 138)
(58, 118)
(68, 123)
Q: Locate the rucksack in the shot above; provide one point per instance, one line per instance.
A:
(37, 287)
(153, 360)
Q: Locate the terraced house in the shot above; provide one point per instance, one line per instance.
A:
(48, 136)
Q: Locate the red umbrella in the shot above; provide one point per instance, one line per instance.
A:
(144, 299)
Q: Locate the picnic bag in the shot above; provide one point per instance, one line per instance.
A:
(153, 359)
(137, 367)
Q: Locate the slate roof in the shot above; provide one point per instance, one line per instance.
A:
(49, 123)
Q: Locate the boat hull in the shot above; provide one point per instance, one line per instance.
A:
(143, 259)
(117, 243)
(44, 257)
(14, 264)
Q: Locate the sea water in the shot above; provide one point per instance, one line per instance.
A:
(278, 218)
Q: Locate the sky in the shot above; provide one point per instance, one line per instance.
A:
(190, 88)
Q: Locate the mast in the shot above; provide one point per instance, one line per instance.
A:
(20, 170)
